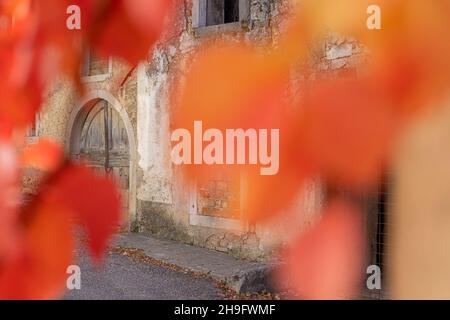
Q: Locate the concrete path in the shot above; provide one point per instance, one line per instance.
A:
(124, 278)
(242, 276)
(141, 267)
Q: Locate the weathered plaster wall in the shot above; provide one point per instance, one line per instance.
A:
(62, 98)
(163, 197)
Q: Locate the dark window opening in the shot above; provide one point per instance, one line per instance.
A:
(221, 11)
(94, 65)
(231, 11)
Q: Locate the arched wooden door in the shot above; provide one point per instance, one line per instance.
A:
(104, 147)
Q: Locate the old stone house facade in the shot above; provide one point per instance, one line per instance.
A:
(129, 105)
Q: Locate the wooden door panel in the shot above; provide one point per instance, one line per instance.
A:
(104, 147)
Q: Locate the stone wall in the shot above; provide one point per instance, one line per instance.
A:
(164, 199)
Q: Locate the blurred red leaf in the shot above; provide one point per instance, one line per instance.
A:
(326, 262)
(139, 20)
(37, 247)
(346, 131)
(40, 47)
(35, 268)
(45, 155)
(269, 196)
(38, 269)
(93, 200)
(21, 90)
(9, 198)
(245, 90)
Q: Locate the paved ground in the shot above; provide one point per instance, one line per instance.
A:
(242, 276)
(142, 267)
(125, 278)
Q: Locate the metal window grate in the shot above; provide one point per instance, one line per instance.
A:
(380, 224)
(383, 199)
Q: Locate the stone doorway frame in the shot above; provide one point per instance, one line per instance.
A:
(74, 130)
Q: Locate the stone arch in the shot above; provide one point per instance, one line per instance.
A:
(74, 130)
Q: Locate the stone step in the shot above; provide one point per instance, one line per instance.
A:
(241, 276)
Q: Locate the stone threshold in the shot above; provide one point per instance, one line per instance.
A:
(242, 276)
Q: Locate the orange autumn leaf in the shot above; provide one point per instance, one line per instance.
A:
(245, 91)
(142, 21)
(36, 249)
(348, 127)
(45, 155)
(414, 79)
(49, 242)
(38, 269)
(400, 20)
(106, 26)
(408, 47)
(343, 133)
(35, 268)
(345, 129)
(267, 196)
(326, 262)
(21, 92)
(33, 52)
(40, 46)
